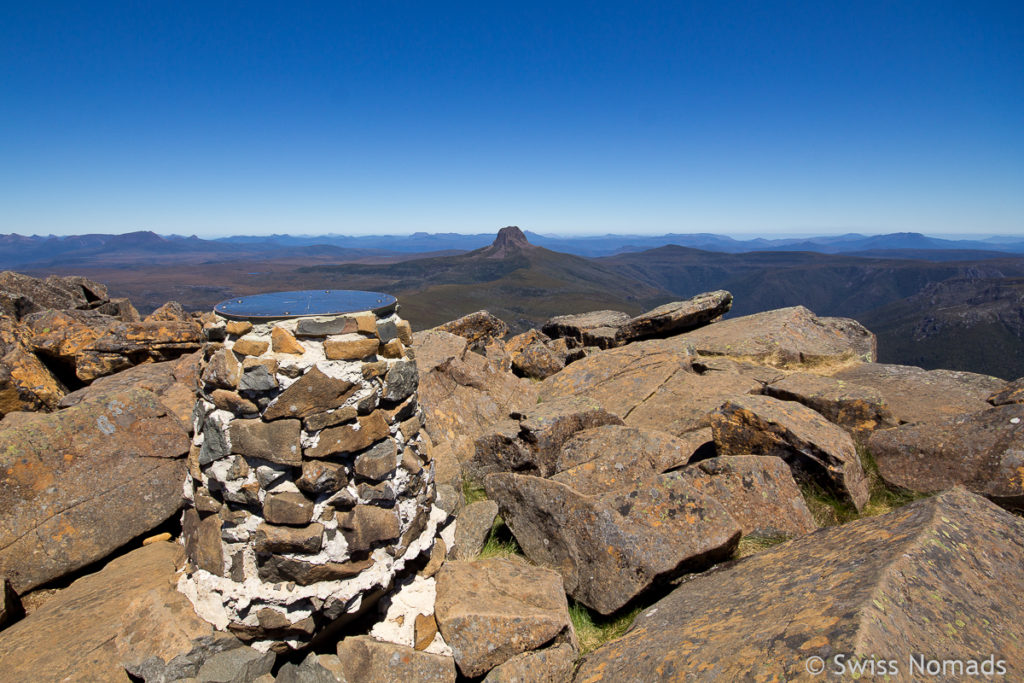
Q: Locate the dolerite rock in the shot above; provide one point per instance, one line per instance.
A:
(982, 451)
(21, 295)
(309, 670)
(127, 344)
(1011, 393)
(813, 446)
(655, 384)
(365, 660)
(478, 328)
(936, 580)
(596, 328)
(126, 614)
(531, 357)
(916, 395)
(62, 335)
(758, 491)
(677, 317)
(491, 610)
(786, 336)
(613, 547)
(26, 384)
(550, 665)
(308, 394)
(10, 608)
(472, 527)
(237, 665)
(434, 347)
(858, 409)
(612, 457)
(77, 484)
(171, 311)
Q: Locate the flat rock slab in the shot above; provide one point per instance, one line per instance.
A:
(858, 409)
(434, 347)
(77, 484)
(940, 578)
(653, 384)
(813, 446)
(491, 610)
(758, 491)
(612, 457)
(596, 328)
(678, 316)
(550, 665)
(365, 660)
(611, 548)
(984, 452)
(786, 336)
(917, 395)
(130, 611)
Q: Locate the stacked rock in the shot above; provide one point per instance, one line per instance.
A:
(310, 483)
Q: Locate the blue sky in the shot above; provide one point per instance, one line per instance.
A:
(768, 118)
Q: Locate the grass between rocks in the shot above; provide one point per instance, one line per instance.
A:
(472, 491)
(594, 630)
(750, 545)
(500, 542)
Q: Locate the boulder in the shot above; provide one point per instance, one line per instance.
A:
(80, 483)
(237, 665)
(127, 344)
(531, 357)
(127, 614)
(613, 547)
(62, 335)
(1013, 392)
(980, 451)
(312, 669)
(551, 665)
(612, 457)
(786, 336)
(677, 317)
(491, 610)
(472, 528)
(656, 384)
(938, 579)
(596, 328)
(434, 347)
(26, 384)
(758, 491)
(478, 328)
(814, 447)
(171, 311)
(365, 660)
(917, 395)
(21, 295)
(858, 409)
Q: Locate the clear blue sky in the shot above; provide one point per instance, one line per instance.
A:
(373, 117)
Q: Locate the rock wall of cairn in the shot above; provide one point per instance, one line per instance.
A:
(310, 483)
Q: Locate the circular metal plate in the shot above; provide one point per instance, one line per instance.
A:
(278, 305)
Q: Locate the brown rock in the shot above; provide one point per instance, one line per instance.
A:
(314, 392)
(233, 402)
(491, 610)
(276, 441)
(202, 541)
(596, 328)
(163, 340)
(530, 356)
(64, 334)
(916, 395)
(171, 311)
(877, 587)
(77, 484)
(980, 451)
(404, 332)
(120, 308)
(278, 569)
(858, 409)
(425, 628)
(344, 439)
(321, 477)
(283, 341)
(10, 606)
(223, 370)
(286, 539)
(238, 327)
(810, 444)
(287, 508)
(314, 423)
(250, 347)
(393, 349)
(434, 347)
(438, 555)
(472, 528)
(758, 491)
(478, 328)
(1011, 393)
(613, 547)
(613, 457)
(127, 613)
(551, 665)
(350, 349)
(378, 461)
(21, 295)
(26, 384)
(786, 336)
(677, 317)
(366, 525)
(365, 660)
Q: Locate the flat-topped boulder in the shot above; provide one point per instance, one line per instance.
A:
(858, 409)
(479, 328)
(596, 328)
(939, 579)
(677, 317)
(982, 451)
(786, 336)
(917, 395)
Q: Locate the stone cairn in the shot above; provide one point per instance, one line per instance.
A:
(310, 484)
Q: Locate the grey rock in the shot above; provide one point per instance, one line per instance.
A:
(365, 660)
(237, 665)
(400, 381)
(312, 327)
(309, 670)
(276, 441)
(678, 316)
(287, 508)
(472, 528)
(215, 442)
(257, 378)
(378, 461)
(387, 330)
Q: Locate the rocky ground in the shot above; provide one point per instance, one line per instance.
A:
(663, 497)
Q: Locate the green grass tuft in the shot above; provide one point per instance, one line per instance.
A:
(750, 545)
(500, 542)
(884, 498)
(472, 491)
(594, 630)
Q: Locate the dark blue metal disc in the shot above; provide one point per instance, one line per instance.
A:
(277, 305)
